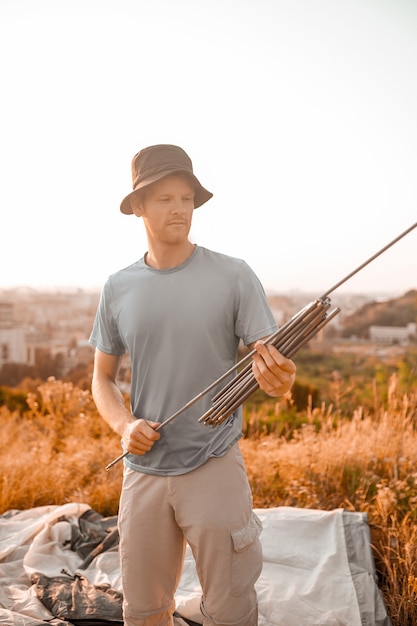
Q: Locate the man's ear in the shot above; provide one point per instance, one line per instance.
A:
(137, 205)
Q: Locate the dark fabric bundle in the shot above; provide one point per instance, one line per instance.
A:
(75, 599)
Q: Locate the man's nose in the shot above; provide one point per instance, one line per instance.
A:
(178, 206)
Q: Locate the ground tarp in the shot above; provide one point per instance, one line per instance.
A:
(59, 565)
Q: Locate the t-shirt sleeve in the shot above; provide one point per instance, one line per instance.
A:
(105, 334)
(254, 318)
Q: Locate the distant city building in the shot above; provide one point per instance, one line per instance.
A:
(13, 344)
(56, 323)
(14, 348)
(393, 334)
(6, 313)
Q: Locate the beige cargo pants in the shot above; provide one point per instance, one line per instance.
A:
(211, 509)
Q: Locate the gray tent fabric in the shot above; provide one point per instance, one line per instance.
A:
(59, 565)
(361, 565)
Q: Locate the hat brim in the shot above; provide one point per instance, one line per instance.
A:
(201, 194)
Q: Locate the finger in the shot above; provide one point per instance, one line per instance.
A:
(269, 372)
(141, 437)
(273, 385)
(273, 357)
(269, 378)
(146, 430)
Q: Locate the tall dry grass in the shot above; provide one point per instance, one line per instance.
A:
(56, 450)
(365, 463)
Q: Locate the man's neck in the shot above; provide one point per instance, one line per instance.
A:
(167, 257)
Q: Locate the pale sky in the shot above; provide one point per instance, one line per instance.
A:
(299, 115)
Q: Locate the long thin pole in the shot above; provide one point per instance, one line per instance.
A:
(301, 314)
(358, 269)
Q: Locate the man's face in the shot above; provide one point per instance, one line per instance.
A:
(166, 209)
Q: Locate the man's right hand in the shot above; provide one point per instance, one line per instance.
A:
(140, 436)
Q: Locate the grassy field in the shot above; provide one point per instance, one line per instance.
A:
(54, 448)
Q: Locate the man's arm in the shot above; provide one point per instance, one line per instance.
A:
(138, 434)
(274, 373)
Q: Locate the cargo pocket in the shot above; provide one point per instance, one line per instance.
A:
(247, 556)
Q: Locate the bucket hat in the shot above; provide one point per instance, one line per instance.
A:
(157, 162)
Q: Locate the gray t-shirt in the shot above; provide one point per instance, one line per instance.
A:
(181, 328)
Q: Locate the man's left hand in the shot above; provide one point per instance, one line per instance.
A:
(274, 373)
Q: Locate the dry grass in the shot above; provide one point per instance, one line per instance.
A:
(56, 451)
(363, 464)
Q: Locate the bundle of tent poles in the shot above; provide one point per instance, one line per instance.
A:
(292, 336)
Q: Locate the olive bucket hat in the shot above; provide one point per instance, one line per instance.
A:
(157, 162)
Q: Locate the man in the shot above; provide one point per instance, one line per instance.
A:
(180, 312)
